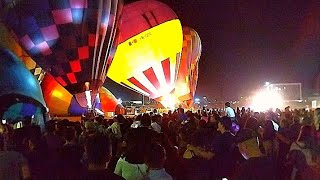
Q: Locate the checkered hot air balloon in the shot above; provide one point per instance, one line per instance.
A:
(150, 45)
(188, 69)
(72, 40)
(7, 41)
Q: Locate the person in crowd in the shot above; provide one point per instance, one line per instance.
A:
(98, 151)
(268, 136)
(131, 164)
(156, 123)
(222, 150)
(37, 157)
(295, 128)
(305, 143)
(12, 164)
(284, 142)
(229, 111)
(257, 166)
(155, 160)
(71, 153)
(302, 171)
(137, 122)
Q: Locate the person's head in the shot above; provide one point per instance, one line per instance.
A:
(156, 156)
(284, 123)
(215, 118)
(50, 126)
(98, 119)
(202, 124)
(70, 134)
(305, 134)
(227, 104)
(224, 124)
(146, 120)
(248, 143)
(98, 150)
(307, 121)
(296, 119)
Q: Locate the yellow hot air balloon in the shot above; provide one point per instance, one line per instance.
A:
(149, 49)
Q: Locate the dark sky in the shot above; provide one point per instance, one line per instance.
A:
(246, 43)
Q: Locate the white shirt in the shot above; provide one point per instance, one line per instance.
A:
(130, 171)
(306, 151)
(230, 112)
(156, 127)
(160, 174)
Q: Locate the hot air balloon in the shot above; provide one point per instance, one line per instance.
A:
(188, 70)
(20, 93)
(150, 45)
(70, 39)
(7, 41)
(61, 103)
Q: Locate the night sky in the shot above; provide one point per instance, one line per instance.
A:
(246, 43)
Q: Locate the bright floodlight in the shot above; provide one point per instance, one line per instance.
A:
(169, 101)
(267, 99)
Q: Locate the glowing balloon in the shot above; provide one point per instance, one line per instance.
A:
(7, 41)
(71, 39)
(188, 70)
(150, 46)
(20, 92)
(61, 103)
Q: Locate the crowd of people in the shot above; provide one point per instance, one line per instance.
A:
(204, 145)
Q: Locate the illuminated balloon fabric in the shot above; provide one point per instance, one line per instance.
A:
(107, 100)
(150, 45)
(7, 41)
(72, 39)
(61, 102)
(58, 99)
(188, 70)
(17, 84)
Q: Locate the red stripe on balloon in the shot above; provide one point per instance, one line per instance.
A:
(72, 78)
(61, 81)
(166, 70)
(151, 76)
(135, 82)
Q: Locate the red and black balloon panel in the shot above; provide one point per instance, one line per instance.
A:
(142, 15)
(71, 39)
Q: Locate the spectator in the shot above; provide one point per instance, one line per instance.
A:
(131, 164)
(155, 160)
(230, 112)
(155, 125)
(257, 166)
(12, 164)
(305, 143)
(97, 148)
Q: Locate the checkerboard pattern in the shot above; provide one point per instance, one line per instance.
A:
(70, 39)
(192, 43)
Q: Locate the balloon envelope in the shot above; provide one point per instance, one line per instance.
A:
(18, 86)
(7, 41)
(188, 69)
(150, 46)
(61, 103)
(71, 39)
